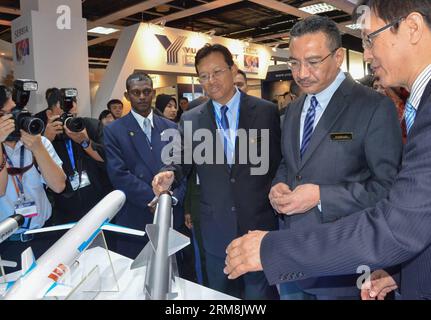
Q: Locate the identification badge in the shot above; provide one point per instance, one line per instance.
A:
(78, 182)
(341, 136)
(85, 180)
(26, 207)
(74, 181)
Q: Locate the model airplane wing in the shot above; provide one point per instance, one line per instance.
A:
(106, 226)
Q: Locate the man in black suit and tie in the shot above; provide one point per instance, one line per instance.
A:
(341, 146)
(234, 198)
(397, 42)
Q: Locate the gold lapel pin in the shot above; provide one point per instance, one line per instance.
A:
(131, 133)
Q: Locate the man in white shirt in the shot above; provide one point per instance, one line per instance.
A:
(27, 165)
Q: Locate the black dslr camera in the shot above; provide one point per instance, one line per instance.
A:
(74, 124)
(23, 118)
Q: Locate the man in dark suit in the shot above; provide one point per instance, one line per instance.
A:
(395, 231)
(234, 198)
(133, 151)
(341, 154)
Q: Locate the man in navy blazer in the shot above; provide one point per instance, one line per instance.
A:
(133, 151)
(233, 199)
(397, 43)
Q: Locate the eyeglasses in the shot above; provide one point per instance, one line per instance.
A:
(367, 41)
(313, 64)
(216, 74)
(12, 171)
(137, 93)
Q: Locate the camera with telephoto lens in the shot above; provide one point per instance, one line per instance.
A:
(74, 124)
(24, 120)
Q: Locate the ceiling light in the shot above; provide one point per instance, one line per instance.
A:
(354, 26)
(103, 30)
(318, 8)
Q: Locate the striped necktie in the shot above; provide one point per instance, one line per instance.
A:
(410, 116)
(308, 125)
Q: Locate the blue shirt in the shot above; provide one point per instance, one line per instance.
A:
(323, 97)
(232, 116)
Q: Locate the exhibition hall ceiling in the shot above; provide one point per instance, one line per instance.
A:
(266, 22)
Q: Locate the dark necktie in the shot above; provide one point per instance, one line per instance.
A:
(308, 125)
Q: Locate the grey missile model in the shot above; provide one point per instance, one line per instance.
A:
(10, 225)
(159, 254)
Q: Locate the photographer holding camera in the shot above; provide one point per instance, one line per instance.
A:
(75, 141)
(27, 162)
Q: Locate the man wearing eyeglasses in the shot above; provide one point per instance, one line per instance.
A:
(232, 200)
(134, 155)
(26, 166)
(341, 149)
(397, 229)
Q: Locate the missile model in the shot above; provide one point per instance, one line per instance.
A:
(40, 278)
(159, 254)
(10, 225)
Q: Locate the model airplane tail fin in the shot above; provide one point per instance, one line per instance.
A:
(28, 262)
(7, 264)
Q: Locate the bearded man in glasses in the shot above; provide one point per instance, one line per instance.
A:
(134, 146)
(26, 166)
(341, 149)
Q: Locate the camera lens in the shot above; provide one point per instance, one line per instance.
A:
(75, 124)
(33, 126)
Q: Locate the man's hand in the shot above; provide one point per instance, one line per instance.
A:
(7, 126)
(300, 200)
(53, 127)
(277, 194)
(78, 137)
(32, 143)
(188, 220)
(381, 284)
(162, 182)
(243, 254)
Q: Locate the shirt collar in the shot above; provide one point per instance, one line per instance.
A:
(141, 119)
(419, 87)
(233, 103)
(323, 97)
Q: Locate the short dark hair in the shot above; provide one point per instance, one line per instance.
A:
(243, 74)
(391, 10)
(315, 24)
(138, 76)
(184, 98)
(104, 114)
(5, 94)
(206, 50)
(53, 96)
(113, 101)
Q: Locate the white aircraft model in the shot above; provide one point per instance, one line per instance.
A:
(41, 278)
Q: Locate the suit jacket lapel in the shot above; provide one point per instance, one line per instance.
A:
(247, 115)
(139, 141)
(292, 129)
(156, 140)
(329, 118)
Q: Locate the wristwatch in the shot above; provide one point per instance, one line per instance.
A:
(85, 144)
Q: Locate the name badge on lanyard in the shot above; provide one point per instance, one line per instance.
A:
(76, 180)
